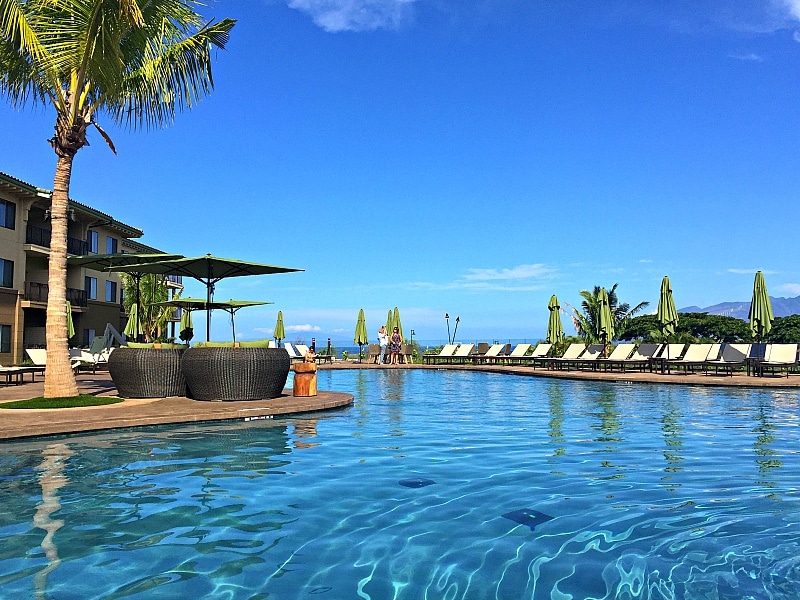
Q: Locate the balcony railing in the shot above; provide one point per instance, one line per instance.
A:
(41, 237)
(38, 292)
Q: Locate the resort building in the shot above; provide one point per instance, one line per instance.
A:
(95, 296)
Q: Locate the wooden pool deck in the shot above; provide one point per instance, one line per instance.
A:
(15, 424)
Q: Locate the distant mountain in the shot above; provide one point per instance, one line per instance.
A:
(782, 307)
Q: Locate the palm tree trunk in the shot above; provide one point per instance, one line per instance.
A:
(59, 379)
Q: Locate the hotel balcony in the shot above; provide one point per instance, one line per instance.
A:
(39, 236)
(38, 292)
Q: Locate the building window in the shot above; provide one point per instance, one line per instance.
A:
(111, 291)
(6, 273)
(111, 245)
(92, 241)
(122, 296)
(5, 338)
(88, 336)
(8, 214)
(90, 287)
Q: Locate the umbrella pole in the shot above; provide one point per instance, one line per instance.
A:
(233, 327)
(208, 313)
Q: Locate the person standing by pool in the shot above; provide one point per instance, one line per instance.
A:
(394, 347)
(383, 341)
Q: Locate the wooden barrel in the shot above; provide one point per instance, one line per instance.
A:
(305, 379)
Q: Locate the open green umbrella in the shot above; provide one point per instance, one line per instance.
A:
(280, 331)
(133, 328)
(761, 315)
(208, 269)
(361, 338)
(70, 324)
(555, 330)
(397, 323)
(666, 315)
(605, 320)
(229, 306)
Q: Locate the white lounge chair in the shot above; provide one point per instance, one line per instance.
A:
(572, 352)
(518, 353)
(491, 354)
(293, 354)
(445, 353)
(462, 353)
(639, 358)
(696, 356)
(733, 355)
(779, 356)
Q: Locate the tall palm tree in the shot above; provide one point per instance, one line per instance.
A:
(586, 321)
(137, 62)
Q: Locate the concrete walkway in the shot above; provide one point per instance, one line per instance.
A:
(137, 413)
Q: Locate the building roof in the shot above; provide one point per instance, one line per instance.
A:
(19, 187)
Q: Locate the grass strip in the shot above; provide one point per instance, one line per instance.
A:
(69, 402)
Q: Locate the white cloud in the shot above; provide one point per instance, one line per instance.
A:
(750, 57)
(518, 272)
(791, 288)
(355, 15)
(307, 328)
(645, 260)
(749, 271)
(793, 6)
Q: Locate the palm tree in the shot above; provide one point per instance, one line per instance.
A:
(586, 321)
(137, 62)
(153, 289)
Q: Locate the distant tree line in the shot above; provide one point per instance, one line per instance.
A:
(702, 327)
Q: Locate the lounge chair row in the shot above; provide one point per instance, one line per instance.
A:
(757, 358)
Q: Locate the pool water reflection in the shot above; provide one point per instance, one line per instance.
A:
(434, 484)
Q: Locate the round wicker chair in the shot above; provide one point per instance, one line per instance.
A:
(231, 374)
(147, 372)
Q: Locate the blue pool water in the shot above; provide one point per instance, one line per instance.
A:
(433, 485)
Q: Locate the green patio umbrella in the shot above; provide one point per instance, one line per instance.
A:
(70, 324)
(133, 328)
(229, 306)
(389, 322)
(761, 315)
(280, 331)
(397, 323)
(186, 332)
(361, 338)
(605, 320)
(555, 330)
(666, 315)
(118, 262)
(208, 269)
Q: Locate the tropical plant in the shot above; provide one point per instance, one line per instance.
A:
(152, 289)
(691, 328)
(586, 320)
(137, 62)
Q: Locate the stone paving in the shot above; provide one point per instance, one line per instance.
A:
(136, 413)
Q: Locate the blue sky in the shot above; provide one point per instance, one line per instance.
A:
(468, 157)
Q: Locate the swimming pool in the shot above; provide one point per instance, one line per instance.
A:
(434, 484)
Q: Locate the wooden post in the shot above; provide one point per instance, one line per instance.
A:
(305, 379)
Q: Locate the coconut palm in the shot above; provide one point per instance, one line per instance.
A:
(587, 322)
(137, 62)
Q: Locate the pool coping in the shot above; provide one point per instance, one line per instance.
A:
(19, 424)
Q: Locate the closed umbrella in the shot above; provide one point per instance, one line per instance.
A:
(667, 315)
(761, 315)
(187, 329)
(70, 324)
(361, 336)
(397, 323)
(133, 328)
(605, 321)
(280, 331)
(555, 330)
(390, 322)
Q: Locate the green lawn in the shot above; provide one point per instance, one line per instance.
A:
(72, 402)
